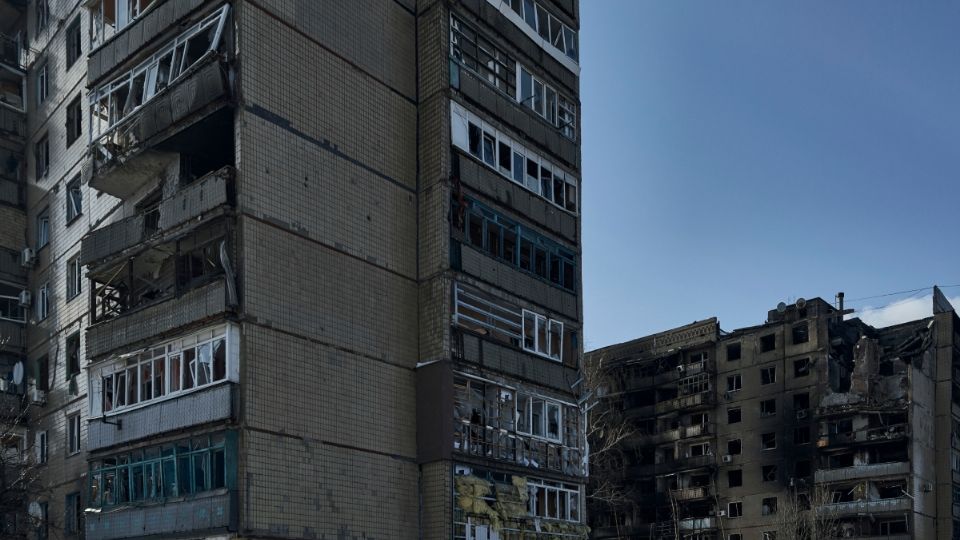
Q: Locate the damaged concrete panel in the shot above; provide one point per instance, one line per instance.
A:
(197, 199)
(209, 405)
(122, 182)
(111, 239)
(155, 320)
(216, 512)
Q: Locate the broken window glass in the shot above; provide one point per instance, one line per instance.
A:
(503, 157)
(536, 417)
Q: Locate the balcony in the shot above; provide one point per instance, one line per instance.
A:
(894, 432)
(216, 511)
(490, 443)
(899, 504)
(137, 149)
(12, 337)
(693, 401)
(128, 329)
(696, 430)
(690, 493)
(858, 472)
(191, 204)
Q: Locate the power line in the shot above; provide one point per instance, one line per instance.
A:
(897, 293)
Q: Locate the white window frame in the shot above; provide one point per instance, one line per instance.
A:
(41, 447)
(737, 379)
(13, 303)
(74, 278)
(43, 84)
(550, 326)
(521, 157)
(570, 492)
(129, 10)
(548, 109)
(74, 194)
(529, 24)
(168, 355)
(730, 506)
(540, 429)
(73, 433)
(43, 301)
(43, 228)
(100, 127)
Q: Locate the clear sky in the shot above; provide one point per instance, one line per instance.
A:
(739, 154)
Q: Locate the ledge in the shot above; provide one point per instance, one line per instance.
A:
(210, 512)
(131, 328)
(858, 472)
(195, 408)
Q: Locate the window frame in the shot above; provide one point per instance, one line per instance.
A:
(763, 442)
(43, 301)
(734, 504)
(41, 156)
(768, 374)
(73, 40)
(74, 277)
(74, 123)
(73, 434)
(41, 447)
(42, 90)
(526, 425)
(74, 195)
(550, 328)
(734, 382)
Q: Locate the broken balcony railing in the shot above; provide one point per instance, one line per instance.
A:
(113, 105)
(489, 442)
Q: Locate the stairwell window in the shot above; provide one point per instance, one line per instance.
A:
(43, 83)
(43, 301)
(74, 199)
(74, 122)
(73, 434)
(41, 156)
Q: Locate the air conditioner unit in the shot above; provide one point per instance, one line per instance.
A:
(28, 257)
(793, 481)
(38, 397)
(722, 513)
(801, 414)
(727, 458)
(681, 368)
(25, 298)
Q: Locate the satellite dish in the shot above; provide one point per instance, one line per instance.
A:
(801, 303)
(781, 307)
(18, 373)
(35, 510)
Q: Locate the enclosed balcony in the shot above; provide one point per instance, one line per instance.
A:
(700, 400)
(690, 493)
(13, 84)
(898, 504)
(164, 104)
(859, 472)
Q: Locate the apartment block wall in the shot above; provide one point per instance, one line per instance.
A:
(327, 193)
(63, 473)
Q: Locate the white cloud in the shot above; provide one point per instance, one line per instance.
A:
(901, 311)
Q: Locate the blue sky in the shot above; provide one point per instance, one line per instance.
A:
(739, 154)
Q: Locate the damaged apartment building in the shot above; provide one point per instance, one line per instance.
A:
(812, 424)
(293, 269)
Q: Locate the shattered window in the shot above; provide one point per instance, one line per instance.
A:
(542, 335)
(768, 375)
(734, 447)
(481, 56)
(74, 199)
(733, 415)
(768, 342)
(769, 473)
(769, 507)
(768, 407)
(735, 509)
(193, 362)
(801, 368)
(801, 334)
(768, 441)
(735, 478)
(733, 351)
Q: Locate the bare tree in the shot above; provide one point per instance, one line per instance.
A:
(806, 516)
(607, 434)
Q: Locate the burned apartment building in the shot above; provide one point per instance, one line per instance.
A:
(294, 269)
(809, 425)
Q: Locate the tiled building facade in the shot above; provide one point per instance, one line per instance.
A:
(299, 269)
(809, 425)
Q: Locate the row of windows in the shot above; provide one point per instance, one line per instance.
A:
(534, 332)
(512, 160)
(168, 370)
(476, 53)
(800, 333)
(112, 102)
(159, 472)
(42, 298)
(517, 245)
(558, 35)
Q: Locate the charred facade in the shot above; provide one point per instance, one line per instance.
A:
(808, 425)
